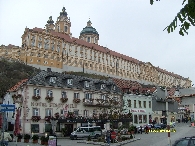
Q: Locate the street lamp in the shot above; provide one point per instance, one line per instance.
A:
(167, 111)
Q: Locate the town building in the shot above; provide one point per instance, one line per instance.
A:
(54, 47)
(140, 106)
(69, 100)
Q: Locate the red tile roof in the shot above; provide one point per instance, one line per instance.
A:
(171, 91)
(132, 85)
(19, 84)
(101, 49)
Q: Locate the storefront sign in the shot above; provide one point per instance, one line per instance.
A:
(53, 104)
(138, 110)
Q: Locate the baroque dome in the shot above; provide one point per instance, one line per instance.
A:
(89, 29)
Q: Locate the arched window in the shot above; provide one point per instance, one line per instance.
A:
(58, 28)
(88, 39)
(65, 28)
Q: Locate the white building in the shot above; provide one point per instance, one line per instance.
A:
(140, 106)
(72, 100)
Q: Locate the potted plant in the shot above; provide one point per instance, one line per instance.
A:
(26, 138)
(64, 131)
(19, 137)
(131, 129)
(46, 140)
(35, 138)
(42, 140)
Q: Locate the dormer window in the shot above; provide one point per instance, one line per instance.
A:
(52, 80)
(114, 87)
(115, 98)
(103, 97)
(36, 92)
(69, 81)
(86, 84)
(103, 86)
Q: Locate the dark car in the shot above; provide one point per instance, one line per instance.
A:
(157, 126)
(187, 141)
(163, 126)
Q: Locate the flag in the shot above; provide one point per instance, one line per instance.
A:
(66, 110)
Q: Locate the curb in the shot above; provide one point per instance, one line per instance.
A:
(105, 144)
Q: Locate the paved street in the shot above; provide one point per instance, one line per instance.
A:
(151, 139)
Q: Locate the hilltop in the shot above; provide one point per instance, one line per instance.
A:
(11, 72)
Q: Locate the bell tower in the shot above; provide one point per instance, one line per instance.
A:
(50, 25)
(63, 23)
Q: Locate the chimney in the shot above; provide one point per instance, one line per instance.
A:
(48, 69)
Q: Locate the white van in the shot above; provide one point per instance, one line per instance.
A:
(81, 132)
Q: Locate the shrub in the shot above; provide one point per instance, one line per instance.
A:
(89, 138)
(26, 136)
(35, 137)
(19, 136)
(42, 138)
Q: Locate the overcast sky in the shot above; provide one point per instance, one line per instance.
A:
(131, 27)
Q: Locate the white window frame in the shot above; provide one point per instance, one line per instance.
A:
(52, 80)
(88, 96)
(64, 94)
(70, 81)
(48, 112)
(103, 86)
(85, 113)
(36, 92)
(76, 95)
(114, 87)
(76, 110)
(103, 97)
(50, 93)
(35, 112)
(86, 84)
(62, 112)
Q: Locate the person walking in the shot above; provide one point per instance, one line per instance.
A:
(146, 129)
(108, 137)
(141, 129)
(7, 138)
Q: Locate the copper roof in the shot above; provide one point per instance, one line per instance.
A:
(18, 85)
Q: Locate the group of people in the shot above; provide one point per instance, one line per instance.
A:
(146, 129)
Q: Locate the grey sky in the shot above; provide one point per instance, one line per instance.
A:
(131, 27)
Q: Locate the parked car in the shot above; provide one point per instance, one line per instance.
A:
(163, 126)
(187, 141)
(81, 132)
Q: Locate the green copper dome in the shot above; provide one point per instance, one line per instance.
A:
(89, 29)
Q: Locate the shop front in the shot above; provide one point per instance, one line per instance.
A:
(140, 117)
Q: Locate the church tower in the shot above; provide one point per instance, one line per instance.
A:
(63, 23)
(89, 34)
(50, 25)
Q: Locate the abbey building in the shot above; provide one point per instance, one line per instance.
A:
(54, 47)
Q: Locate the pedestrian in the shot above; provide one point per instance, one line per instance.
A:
(135, 129)
(141, 129)
(7, 137)
(108, 137)
(147, 129)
